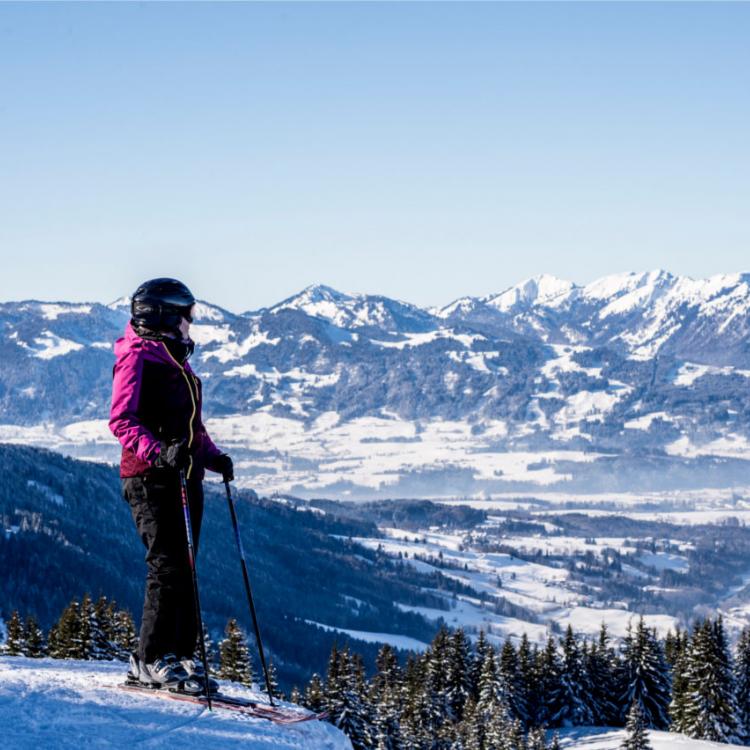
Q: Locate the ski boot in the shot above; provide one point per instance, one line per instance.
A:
(197, 673)
(164, 673)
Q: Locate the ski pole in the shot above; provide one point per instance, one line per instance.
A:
(248, 591)
(196, 598)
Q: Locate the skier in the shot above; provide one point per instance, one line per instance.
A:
(156, 416)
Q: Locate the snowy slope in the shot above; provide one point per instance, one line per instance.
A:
(47, 703)
(603, 738)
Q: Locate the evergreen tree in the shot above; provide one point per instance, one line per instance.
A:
(536, 739)
(82, 640)
(124, 636)
(549, 685)
(575, 692)
(314, 697)
(385, 695)
(350, 708)
(458, 677)
(273, 680)
(511, 688)
(14, 641)
(477, 663)
(742, 682)
(471, 728)
(636, 735)
(295, 696)
(601, 665)
(33, 639)
(645, 676)
(65, 641)
(101, 629)
(680, 686)
(235, 657)
(526, 683)
(710, 711)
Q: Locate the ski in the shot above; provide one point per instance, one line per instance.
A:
(276, 714)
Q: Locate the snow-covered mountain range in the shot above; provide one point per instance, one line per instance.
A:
(635, 380)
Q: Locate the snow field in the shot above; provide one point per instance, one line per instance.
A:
(604, 738)
(66, 705)
(543, 589)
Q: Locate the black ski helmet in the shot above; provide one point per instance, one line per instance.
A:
(160, 305)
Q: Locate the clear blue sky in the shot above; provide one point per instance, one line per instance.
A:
(424, 151)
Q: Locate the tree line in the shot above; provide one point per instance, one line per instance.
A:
(100, 630)
(463, 696)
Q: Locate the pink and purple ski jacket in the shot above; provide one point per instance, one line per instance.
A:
(155, 399)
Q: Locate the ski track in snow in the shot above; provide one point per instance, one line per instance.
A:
(65, 704)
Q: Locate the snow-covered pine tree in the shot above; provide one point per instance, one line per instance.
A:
(33, 639)
(511, 688)
(526, 680)
(710, 709)
(431, 708)
(234, 656)
(680, 688)
(575, 692)
(470, 730)
(536, 739)
(489, 683)
(351, 715)
(458, 679)
(438, 668)
(14, 641)
(555, 742)
(211, 653)
(385, 698)
(742, 682)
(83, 640)
(65, 637)
(645, 675)
(125, 639)
(314, 697)
(601, 665)
(273, 680)
(636, 734)
(548, 673)
(295, 696)
(477, 663)
(100, 630)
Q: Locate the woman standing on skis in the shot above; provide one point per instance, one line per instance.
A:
(156, 416)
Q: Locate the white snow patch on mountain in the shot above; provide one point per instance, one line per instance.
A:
(237, 350)
(644, 421)
(66, 705)
(419, 339)
(51, 311)
(392, 639)
(49, 345)
(689, 372)
(727, 446)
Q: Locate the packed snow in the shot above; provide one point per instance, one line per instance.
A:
(66, 705)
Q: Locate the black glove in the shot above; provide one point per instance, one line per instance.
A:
(174, 456)
(223, 464)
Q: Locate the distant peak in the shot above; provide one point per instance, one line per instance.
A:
(543, 289)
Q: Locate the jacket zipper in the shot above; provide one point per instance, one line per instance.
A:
(195, 407)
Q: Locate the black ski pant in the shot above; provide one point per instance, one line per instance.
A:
(168, 625)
